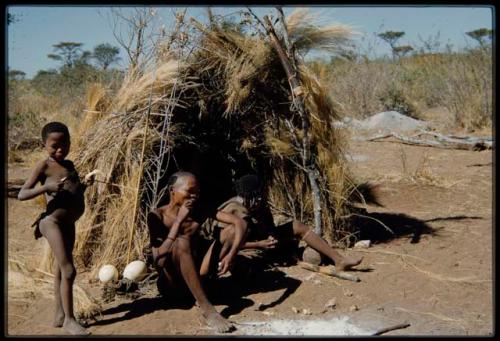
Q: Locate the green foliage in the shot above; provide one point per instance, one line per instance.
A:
(391, 37)
(15, 75)
(401, 51)
(460, 82)
(67, 53)
(395, 99)
(105, 55)
(11, 18)
(481, 35)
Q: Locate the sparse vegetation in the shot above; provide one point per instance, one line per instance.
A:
(462, 82)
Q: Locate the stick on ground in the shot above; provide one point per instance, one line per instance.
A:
(328, 270)
(388, 329)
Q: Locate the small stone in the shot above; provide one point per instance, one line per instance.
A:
(311, 256)
(354, 308)
(306, 312)
(268, 313)
(348, 293)
(295, 310)
(331, 303)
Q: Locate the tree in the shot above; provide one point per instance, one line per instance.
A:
(67, 53)
(11, 18)
(134, 31)
(15, 75)
(391, 37)
(401, 51)
(105, 54)
(481, 35)
(46, 81)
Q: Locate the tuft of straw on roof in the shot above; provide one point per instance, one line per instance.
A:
(306, 33)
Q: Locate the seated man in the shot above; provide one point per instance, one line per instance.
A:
(173, 228)
(263, 234)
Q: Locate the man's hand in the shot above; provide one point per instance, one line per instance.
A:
(167, 245)
(225, 264)
(269, 243)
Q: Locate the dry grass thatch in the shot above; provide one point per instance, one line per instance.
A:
(26, 285)
(220, 113)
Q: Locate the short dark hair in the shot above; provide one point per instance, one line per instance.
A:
(54, 127)
(248, 186)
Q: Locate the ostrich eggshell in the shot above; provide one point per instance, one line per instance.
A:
(108, 273)
(135, 271)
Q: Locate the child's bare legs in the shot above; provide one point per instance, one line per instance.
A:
(59, 313)
(342, 263)
(61, 240)
(184, 260)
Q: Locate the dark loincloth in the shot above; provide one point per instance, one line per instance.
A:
(36, 225)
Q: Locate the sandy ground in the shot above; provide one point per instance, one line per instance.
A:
(440, 285)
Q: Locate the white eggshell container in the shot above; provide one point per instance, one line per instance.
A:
(135, 271)
(108, 273)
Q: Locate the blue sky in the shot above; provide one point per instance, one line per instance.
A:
(30, 39)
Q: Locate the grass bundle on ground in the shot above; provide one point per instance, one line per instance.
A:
(221, 113)
(26, 284)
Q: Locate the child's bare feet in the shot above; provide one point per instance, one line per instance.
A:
(216, 321)
(347, 263)
(58, 319)
(74, 328)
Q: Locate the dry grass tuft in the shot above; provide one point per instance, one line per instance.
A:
(305, 32)
(26, 285)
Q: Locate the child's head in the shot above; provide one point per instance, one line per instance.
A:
(56, 140)
(183, 188)
(249, 188)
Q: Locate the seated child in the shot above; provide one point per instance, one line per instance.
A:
(263, 234)
(173, 232)
(65, 204)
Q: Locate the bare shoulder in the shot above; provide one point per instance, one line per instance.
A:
(40, 167)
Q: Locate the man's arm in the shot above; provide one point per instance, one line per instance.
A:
(269, 243)
(240, 228)
(155, 224)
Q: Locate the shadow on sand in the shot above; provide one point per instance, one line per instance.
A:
(383, 227)
(229, 291)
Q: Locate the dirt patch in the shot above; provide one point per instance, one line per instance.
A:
(440, 283)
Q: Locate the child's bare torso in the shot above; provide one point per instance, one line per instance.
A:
(68, 204)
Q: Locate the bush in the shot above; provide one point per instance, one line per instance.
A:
(461, 82)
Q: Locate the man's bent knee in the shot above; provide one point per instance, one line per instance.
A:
(182, 245)
(299, 229)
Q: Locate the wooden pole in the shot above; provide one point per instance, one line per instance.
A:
(138, 189)
(291, 70)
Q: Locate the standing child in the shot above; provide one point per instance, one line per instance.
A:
(65, 204)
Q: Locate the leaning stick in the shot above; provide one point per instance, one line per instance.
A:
(329, 270)
(136, 200)
(388, 329)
